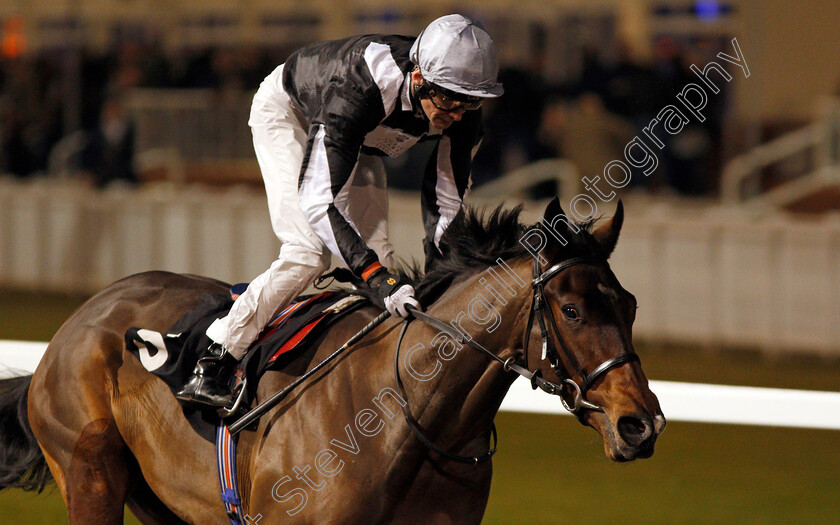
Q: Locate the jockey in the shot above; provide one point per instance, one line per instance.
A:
(320, 122)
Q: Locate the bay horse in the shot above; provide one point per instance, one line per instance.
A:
(336, 450)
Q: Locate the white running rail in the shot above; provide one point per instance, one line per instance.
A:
(680, 401)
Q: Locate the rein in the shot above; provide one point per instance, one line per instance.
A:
(539, 303)
(412, 423)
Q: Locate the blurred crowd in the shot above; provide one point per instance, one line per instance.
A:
(590, 118)
(587, 119)
(82, 96)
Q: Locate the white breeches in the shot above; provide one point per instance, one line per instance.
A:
(280, 142)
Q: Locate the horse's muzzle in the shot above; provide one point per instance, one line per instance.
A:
(636, 437)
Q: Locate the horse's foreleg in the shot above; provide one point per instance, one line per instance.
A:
(98, 476)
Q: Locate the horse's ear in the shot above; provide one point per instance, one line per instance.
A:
(607, 234)
(557, 225)
(553, 210)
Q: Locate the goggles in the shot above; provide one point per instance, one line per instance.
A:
(446, 100)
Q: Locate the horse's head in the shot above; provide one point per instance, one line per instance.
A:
(588, 318)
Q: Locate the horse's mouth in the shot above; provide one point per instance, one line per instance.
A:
(623, 453)
(626, 454)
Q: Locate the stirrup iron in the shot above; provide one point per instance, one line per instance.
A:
(226, 412)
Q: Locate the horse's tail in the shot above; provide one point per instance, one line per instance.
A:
(22, 464)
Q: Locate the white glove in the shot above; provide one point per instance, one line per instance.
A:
(398, 300)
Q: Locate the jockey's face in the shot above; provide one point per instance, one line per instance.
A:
(439, 117)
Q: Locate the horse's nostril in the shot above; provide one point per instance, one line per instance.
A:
(634, 431)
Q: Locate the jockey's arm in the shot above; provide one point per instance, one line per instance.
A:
(447, 178)
(335, 140)
(324, 199)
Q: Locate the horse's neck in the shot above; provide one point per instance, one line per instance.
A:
(465, 393)
(455, 404)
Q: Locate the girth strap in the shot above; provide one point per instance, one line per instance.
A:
(226, 462)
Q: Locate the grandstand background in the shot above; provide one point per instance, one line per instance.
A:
(124, 147)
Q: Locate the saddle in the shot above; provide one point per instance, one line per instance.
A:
(172, 355)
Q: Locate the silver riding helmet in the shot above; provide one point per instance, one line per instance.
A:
(455, 53)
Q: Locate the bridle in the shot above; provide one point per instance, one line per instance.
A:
(539, 305)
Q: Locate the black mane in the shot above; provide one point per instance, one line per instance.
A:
(476, 239)
(473, 242)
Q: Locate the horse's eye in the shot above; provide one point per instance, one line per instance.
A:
(570, 312)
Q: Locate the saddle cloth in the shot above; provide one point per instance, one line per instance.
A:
(172, 355)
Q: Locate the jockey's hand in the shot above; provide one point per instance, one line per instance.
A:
(395, 291)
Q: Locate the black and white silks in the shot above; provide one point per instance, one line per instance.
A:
(354, 97)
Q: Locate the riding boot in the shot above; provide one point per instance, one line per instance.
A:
(209, 386)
